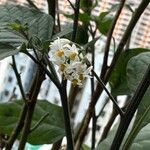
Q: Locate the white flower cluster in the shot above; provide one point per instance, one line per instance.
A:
(66, 55)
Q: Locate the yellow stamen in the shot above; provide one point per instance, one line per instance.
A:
(74, 82)
(81, 77)
(59, 53)
(73, 55)
(62, 67)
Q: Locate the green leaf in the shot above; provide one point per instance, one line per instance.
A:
(142, 141)
(10, 13)
(41, 27)
(129, 8)
(11, 38)
(18, 26)
(14, 20)
(86, 5)
(49, 131)
(40, 24)
(135, 70)
(45, 46)
(118, 79)
(104, 21)
(7, 50)
(82, 35)
(84, 17)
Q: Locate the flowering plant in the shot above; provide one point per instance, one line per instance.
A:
(64, 68)
(69, 60)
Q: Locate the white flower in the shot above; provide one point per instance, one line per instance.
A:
(57, 50)
(83, 71)
(57, 59)
(71, 65)
(59, 44)
(76, 72)
(72, 53)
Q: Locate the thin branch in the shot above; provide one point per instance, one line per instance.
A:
(32, 4)
(94, 123)
(39, 122)
(18, 79)
(114, 44)
(51, 67)
(58, 17)
(109, 37)
(76, 18)
(66, 111)
(40, 76)
(53, 78)
(20, 123)
(131, 109)
(72, 96)
(36, 54)
(51, 7)
(61, 88)
(119, 110)
(71, 5)
(91, 30)
(12, 94)
(94, 118)
(128, 43)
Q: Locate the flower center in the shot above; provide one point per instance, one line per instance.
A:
(74, 82)
(62, 67)
(59, 53)
(73, 55)
(81, 77)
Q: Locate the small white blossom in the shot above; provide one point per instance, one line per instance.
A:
(76, 72)
(72, 53)
(59, 44)
(57, 50)
(66, 56)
